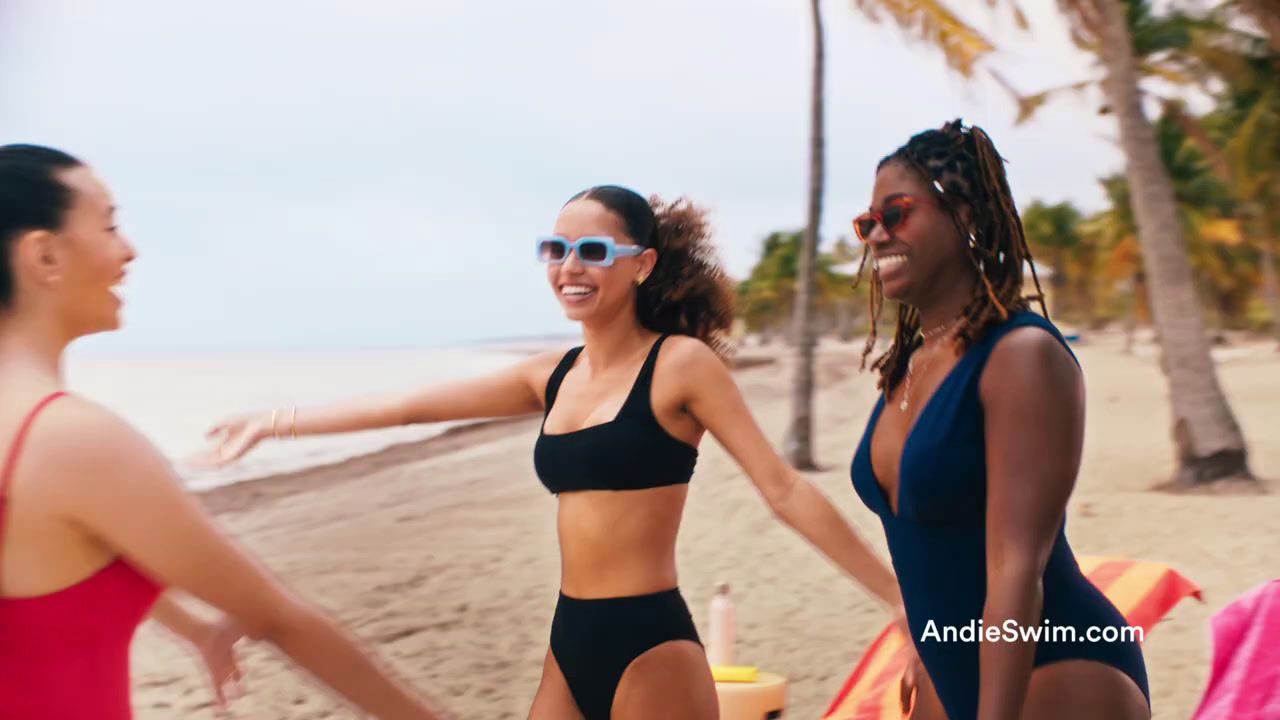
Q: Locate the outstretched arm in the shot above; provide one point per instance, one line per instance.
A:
(714, 399)
(115, 485)
(512, 391)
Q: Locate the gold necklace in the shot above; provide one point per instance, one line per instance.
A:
(925, 336)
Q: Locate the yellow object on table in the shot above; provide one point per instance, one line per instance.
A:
(764, 698)
(734, 673)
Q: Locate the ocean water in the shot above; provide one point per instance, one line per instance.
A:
(175, 398)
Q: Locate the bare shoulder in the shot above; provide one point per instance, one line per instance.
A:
(537, 368)
(695, 368)
(545, 360)
(76, 443)
(689, 354)
(1030, 360)
(75, 429)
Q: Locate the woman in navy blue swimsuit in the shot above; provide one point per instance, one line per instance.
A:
(973, 448)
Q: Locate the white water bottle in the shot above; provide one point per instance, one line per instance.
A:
(721, 638)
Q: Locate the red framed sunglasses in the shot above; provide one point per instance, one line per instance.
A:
(891, 216)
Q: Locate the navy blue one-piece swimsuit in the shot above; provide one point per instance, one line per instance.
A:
(937, 540)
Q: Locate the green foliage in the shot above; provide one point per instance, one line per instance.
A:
(766, 299)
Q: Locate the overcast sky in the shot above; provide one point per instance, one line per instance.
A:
(372, 174)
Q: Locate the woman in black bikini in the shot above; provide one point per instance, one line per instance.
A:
(623, 417)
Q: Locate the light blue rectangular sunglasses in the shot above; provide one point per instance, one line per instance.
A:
(597, 251)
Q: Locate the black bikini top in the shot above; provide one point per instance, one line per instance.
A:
(630, 452)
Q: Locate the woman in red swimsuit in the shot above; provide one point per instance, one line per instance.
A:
(93, 522)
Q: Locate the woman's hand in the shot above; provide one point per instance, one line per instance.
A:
(232, 439)
(216, 643)
(214, 640)
(910, 686)
(914, 670)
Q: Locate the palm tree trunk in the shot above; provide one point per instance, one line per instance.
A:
(799, 441)
(1270, 284)
(1209, 443)
(1131, 314)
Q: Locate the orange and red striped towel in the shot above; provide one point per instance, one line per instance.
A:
(1143, 592)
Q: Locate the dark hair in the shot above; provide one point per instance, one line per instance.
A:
(965, 171)
(31, 198)
(688, 293)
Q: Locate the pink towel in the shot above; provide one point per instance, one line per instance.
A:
(1244, 683)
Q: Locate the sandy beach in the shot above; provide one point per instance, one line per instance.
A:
(442, 554)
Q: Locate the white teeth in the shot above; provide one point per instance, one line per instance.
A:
(576, 290)
(890, 261)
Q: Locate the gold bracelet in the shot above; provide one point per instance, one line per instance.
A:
(274, 434)
(293, 423)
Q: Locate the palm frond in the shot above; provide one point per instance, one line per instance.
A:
(934, 23)
(1028, 105)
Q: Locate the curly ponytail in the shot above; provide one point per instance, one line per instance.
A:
(688, 292)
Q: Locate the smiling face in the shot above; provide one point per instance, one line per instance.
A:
(922, 253)
(590, 293)
(87, 257)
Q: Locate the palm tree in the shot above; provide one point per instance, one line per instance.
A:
(1242, 139)
(799, 442)
(1210, 445)
(962, 46)
(768, 294)
(1243, 146)
(1131, 42)
(1220, 261)
(1053, 231)
(1115, 236)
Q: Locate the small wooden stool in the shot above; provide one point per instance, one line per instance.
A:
(764, 699)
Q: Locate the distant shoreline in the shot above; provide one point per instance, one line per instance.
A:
(508, 344)
(255, 492)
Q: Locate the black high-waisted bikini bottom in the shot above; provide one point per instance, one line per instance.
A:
(594, 641)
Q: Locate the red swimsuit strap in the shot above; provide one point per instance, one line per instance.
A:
(6, 476)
